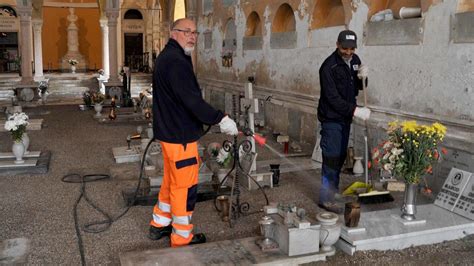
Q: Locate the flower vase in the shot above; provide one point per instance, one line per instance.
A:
(98, 109)
(409, 202)
(73, 69)
(330, 230)
(18, 150)
(26, 142)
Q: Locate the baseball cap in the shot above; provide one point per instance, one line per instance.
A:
(347, 39)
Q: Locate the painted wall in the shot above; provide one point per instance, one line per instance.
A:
(54, 36)
(417, 70)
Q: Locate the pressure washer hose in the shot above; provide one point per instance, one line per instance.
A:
(108, 221)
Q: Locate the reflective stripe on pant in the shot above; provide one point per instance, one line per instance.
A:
(178, 192)
(334, 140)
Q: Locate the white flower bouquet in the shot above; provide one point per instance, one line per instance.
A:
(16, 124)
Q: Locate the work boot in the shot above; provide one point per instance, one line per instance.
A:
(158, 232)
(198, 239)
(331, 207)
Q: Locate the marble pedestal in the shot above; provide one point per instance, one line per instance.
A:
(289, 164)
(35, 163)
(264, 179)
(134, 154)
(384, 232)
(229, 252)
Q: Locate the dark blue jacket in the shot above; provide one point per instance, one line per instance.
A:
(339, 88)
(179, 111)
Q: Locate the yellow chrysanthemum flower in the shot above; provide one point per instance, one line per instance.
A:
(409, 126)
(440, 129)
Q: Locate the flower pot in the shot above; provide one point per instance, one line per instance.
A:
(98, 109)
(73, 69)
(26, 142)
(409, 202)
(18, 150)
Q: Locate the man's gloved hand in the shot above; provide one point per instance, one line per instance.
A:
(363, 72)
(228, 126)
(362, 113)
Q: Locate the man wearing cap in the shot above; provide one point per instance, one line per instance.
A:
(340, 76)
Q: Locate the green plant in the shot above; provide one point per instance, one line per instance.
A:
(72, 62)
(97, 97)
(86, 97)
(410, 150)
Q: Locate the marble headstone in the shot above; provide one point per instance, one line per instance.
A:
(457, 194)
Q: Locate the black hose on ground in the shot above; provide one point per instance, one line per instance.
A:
(102, 225)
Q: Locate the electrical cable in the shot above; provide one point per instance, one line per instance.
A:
(108, 221)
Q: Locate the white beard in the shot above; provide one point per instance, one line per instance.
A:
(188, 50)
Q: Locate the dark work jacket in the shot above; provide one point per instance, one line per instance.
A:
(339, 88)
(179, 111)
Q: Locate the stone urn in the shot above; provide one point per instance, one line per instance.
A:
(98, 109)
(73, 69)
(330, 230)
(18, 150)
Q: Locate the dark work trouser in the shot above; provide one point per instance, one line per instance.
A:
(334, 141)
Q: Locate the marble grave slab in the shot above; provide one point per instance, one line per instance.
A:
(229, 252)
(383, 232)
(10, 163)
(124, 155)
(9, 155)
(32, 165)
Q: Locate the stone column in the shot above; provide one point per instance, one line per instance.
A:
(191, 13)
(105, 47)
(25, 43)
(112, 16)
(37, 26)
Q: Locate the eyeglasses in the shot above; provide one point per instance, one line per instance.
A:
(188, 33)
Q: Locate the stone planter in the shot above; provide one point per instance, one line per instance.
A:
(98, 109)
(73, 69)
(330, 230)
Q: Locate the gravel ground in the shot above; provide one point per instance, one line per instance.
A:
(40, 207)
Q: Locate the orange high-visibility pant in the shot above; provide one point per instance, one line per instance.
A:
(178, 192)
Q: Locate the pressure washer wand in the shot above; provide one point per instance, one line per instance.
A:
(258, 138)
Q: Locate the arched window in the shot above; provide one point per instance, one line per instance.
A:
(284, 20)
(254, 27)
(132, 14)
(328, 13)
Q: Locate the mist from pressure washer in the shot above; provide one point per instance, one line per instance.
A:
(285, 159)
